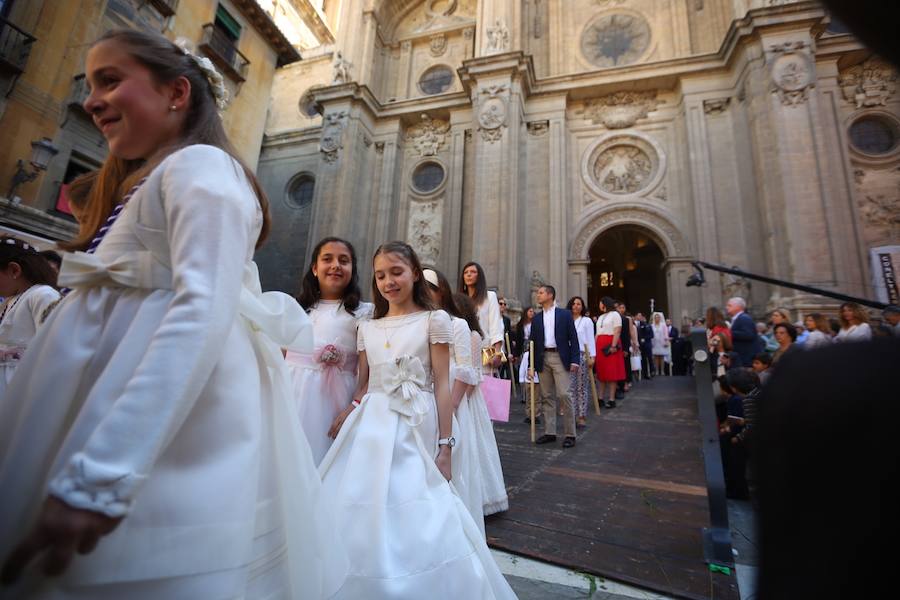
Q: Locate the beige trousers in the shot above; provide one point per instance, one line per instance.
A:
(556, 377)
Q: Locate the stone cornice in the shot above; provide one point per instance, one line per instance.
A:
(516, 64)
(313, 19)
(266, 27)
(38, 222)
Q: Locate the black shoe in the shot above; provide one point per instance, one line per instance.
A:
(545, 439)
(620, 395)
(527, 420)
(568, 442)
(610, 404)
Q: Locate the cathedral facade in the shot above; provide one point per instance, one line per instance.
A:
(597, 145)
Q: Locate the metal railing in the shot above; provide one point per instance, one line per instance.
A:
(223, 52)
(15, 46)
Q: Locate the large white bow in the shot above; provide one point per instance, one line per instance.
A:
(404, 382)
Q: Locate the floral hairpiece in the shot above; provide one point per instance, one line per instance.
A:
(19, 243)
(216, 82)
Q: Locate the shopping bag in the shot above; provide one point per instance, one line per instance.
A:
(496, 397)
(636, 361)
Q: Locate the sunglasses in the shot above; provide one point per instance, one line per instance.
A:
(503, 304)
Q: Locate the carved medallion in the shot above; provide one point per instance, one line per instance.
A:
(614, 40)
(492, 111)
(332, 132)
(428, 136)
(624, 165)
(792, 73)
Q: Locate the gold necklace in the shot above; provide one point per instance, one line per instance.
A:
(387, 336)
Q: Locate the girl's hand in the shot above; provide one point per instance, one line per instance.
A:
(496, 361)
(443, 462)
(339, 422)
(59, 533)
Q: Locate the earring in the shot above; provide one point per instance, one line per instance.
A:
(173, 108)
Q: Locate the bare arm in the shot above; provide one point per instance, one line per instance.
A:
(362, 386)
(440, 364)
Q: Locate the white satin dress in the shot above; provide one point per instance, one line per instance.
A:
(407, 533)
(157, 392)
(21, 317)
(321, 391)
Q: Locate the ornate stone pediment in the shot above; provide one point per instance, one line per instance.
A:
(869, 84)
(428, 136)
(620, 110)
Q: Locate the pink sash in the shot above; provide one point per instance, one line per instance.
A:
(332, 385)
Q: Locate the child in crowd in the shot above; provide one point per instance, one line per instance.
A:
(762, 364)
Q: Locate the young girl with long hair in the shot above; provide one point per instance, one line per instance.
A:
(473, 283)
(324, 379)
(493, 487)
(27, 287)
(407, 533)
(164, 449)
(466, 466)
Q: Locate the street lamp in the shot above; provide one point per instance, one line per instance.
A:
(42, 151)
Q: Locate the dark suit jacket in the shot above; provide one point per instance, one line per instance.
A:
(566, 339)
(673, 332)
(645, 335)
(745, 340)
(625, 336)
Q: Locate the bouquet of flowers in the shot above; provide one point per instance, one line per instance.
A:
(331, 356)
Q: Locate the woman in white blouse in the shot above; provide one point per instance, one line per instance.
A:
(473, 283)
(854, 324)
(610, 361)
(580, 390)
(819, 331)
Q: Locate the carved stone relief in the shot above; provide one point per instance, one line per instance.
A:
(670, 240)
(438, 44)
(497, 38)
(870, 84)
(492, 111)
(538, 128)
(331, 142)
(620, 110)
(623, 165)
(428, 136)
(878, 193)
(424, 230)
(716, 106)
(792, 72)
(340, 69)
(614, 40)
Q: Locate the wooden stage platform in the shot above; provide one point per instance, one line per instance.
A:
(627, 503)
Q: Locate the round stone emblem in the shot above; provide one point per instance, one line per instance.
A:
(623, 165)
(613, 40)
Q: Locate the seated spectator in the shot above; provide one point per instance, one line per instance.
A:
(819, 331)
(785, 335)
(854, 323)
(891, 315)
(802, 333)
(761, 366)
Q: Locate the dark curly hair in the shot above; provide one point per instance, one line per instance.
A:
(310, 291)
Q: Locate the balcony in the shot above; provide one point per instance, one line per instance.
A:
(79, 91)
(222, 51)
(165, 7)
(15, 46)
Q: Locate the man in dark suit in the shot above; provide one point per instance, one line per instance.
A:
(744, 338)
(556, 357)
(645, 343)
(507, 335)
(627, 347)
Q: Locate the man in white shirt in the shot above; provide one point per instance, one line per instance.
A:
(556, 356)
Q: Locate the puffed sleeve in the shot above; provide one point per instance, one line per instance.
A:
(440, 329)
(211, 220)
(360, 337)
(462, 353)
(494, 329)
(364, 312)
(40, 298)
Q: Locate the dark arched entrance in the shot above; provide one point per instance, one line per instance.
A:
(627, 264)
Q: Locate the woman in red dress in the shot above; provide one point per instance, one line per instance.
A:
(610, 362)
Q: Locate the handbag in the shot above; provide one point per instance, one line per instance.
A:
(488, 354)
(636, 361)
(496, 397)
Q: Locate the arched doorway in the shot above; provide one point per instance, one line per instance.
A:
(628, 265)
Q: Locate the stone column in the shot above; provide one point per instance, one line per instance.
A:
(497, 86)
(577, 280)
(451, 261)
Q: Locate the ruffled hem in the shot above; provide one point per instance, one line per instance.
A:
(87, 485)
(497, 506)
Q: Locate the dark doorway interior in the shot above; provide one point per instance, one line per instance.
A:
(627, 264)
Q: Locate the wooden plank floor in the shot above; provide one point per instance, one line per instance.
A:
(628, 502)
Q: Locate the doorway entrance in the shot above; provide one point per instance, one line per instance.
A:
(627, 265)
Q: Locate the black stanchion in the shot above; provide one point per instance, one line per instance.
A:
(716, 537)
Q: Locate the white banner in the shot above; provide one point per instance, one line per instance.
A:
(885, 268)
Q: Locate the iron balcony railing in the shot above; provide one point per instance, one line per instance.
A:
(15, 46)
(223, 52)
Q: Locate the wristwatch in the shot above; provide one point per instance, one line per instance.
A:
(447, 441)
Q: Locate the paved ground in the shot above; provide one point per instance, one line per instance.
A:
(626, 505)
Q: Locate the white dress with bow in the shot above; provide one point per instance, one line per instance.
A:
(406, 531)
(157, 391)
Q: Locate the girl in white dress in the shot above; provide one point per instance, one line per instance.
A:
(406, 531)
(324, 379)
(164, 449)
(26, 286)
(661, 345)
(493, 488)
(473, 283)
(466, 469)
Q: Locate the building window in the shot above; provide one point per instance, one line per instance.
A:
(836, 26)
(307, 105)
(428, 177)
(874, 135)
(227, 24)
(300, 191)
(436, 80)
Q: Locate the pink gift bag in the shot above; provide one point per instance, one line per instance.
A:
(496, 396)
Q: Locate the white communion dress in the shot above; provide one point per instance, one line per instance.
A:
(169, 405)
(407, 533)
(466, 475)
(21, 316)
(493, 488)
(322, 387)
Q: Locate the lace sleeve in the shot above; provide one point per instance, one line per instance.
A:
(440, 329)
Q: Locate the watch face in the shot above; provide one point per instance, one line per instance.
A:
(615, 40)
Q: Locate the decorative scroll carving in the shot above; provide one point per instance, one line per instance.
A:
(492, 111)
(424, 231)
(497, 38)
(332, 133)
(428, 136)
(870, 84)
(716, 106)
(340, 69)
(620, 110)
(538, 128)
(792, 72)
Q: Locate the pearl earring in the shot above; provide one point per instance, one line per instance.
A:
(173, 107)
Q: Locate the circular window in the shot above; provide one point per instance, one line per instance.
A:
(875, 136)
(307, 105)
(300, 191)
(428, 177)
(436, 80)
(615, 40)
(836, 26)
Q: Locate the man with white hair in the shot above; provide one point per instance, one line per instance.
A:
(744, 338)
